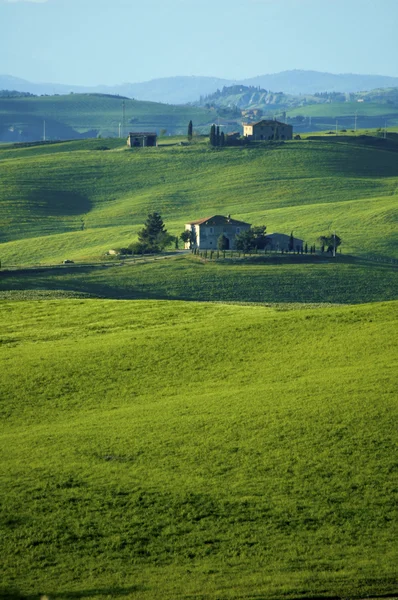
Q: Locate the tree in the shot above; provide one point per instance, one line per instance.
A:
(245, 241)
(213, 135)
(291, 242)
(260, 239)
(154, 237)
(188, 236)
(190, 130)
(223, 242)
(331, 242)
(222, 139)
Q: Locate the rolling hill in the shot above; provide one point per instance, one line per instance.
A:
(91, 115)
(258, 462)
(376, 108)
(76, 200)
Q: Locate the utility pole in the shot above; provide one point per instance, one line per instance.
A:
(44, 131)
(124, 117)
(120, 130)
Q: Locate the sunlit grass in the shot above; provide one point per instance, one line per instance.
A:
(157, 449)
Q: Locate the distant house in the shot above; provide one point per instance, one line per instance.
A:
(207, 231)
(268, 130)
(142, 139)
(280, 241)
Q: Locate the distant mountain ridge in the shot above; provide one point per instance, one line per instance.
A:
(185, 89)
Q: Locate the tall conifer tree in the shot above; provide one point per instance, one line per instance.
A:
(213, 135)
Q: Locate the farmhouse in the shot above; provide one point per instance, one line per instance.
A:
(280, 241)
(142, 139)
(207, 231)
(268, 130)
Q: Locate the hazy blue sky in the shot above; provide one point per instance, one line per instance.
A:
(114, 41)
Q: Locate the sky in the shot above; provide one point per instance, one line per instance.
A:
(89, 42)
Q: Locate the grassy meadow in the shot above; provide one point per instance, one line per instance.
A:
(369, 114)
(258, 463)
(261, 279)
(95, 113)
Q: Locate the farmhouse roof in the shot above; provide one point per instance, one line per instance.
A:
(217, 220)
(138, 133)
(268, 122)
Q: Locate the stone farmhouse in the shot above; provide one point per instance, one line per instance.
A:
(142, 139)
(207, 231)
(268, 130)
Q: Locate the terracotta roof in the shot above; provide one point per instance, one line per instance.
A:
(217, 220)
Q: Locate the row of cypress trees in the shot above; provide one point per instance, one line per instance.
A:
(216, 138)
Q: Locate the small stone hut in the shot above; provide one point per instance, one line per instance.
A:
(142, 139)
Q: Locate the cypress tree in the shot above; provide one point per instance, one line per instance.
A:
(213, 135)
(218, 135)
(291, 242)
(222, 139)
(306, 248)
(190, 130)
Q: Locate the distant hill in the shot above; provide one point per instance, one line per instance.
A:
(308, 112)
(180, 90)
(310, 82)
(24, 119)
(170, 90)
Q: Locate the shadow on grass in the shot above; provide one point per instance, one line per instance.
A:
(367, 282)
(12, 594)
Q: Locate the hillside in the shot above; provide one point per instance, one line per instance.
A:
(274, 279)
(307, 112)
(90, 115)
(227, 475)
(76, 200)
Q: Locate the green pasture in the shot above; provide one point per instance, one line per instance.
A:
(185, 450)
(345, 109)
(78, 199)
(87, 112)
(262, 279)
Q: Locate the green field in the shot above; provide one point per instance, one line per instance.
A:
(68, 115)
(270, 279)
(369, 115)
(258, 463)
(73, 200)
(346, 109)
